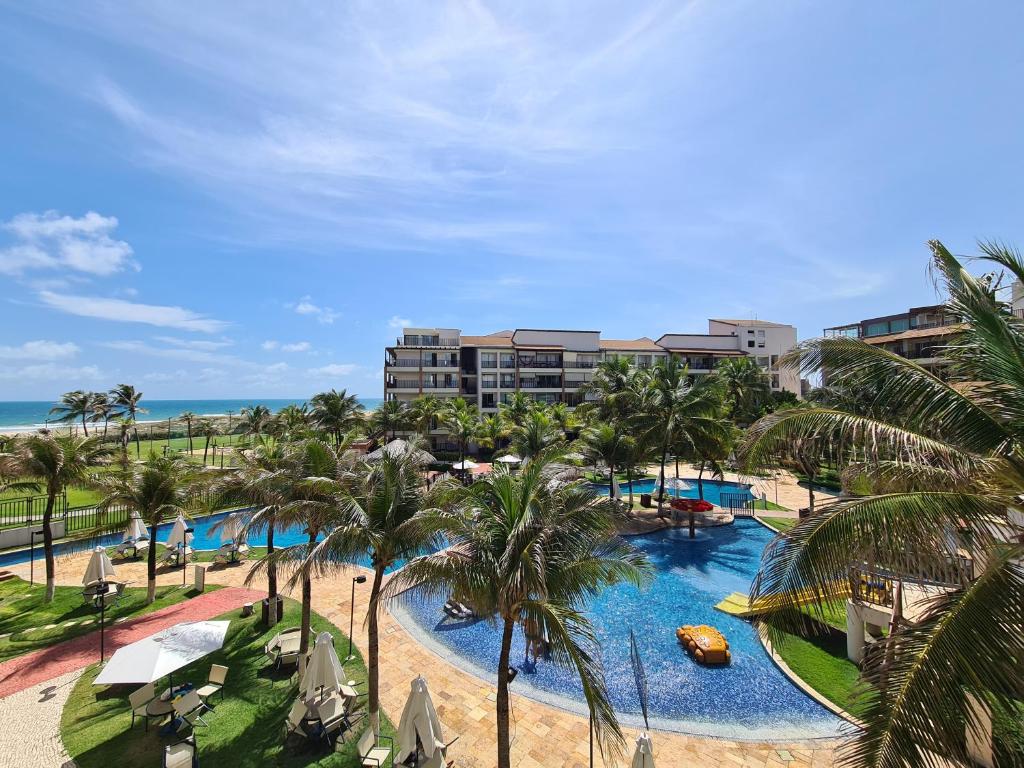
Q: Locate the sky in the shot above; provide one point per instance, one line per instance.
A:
(208, 199)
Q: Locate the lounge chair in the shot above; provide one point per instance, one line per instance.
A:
(139, 700)
(190, 708)
(171, 555)
(181, 755)
(457, 610)
(215, 682)
(371, 753)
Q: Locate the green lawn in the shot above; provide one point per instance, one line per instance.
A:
(24, 614)
(769, 506)
(247, 728)
(781, 523)
(821, 662)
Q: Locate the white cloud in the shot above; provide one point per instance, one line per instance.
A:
(305, 306)
(398, 323)
(200, 344)
(298, 346)
(172, 353)
(123, 311)
(39, 350)
(67, 377)
(334, 369)
(51, 241)
(270, 344)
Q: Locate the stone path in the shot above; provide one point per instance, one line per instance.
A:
(36, 667)
(544, 735)
(30, 737)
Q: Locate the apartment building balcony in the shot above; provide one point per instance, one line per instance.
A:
(539, 362)
(426, 341)
(401, 362)
(701, 363)
(552, 383)
(402, 385)
(439, 363)
(587, 364)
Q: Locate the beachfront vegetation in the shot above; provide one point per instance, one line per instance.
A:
(942, 461)
(245, 730)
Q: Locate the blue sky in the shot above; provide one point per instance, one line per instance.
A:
(206, 201)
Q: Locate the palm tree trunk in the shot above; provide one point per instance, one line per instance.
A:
(138, 442)
(373, 652)
(661, 490)
(206, 448)
(151, 565)
(504, 743)
(51, 579)
(84, 427)
(271, 578)
(629, 482)
(700, 482)
(188, 430)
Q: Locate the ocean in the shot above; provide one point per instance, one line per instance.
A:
(28, 414)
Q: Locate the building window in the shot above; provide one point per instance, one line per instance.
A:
(488, 359)
(760, 339)
(763, 362)
(489, 381)
(775, 381)
(897, 326)
(876, 329)
(508, 381)
(775, 360)
(750, 342)
(488, 400)
(508, 360)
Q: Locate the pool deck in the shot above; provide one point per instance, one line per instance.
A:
(543, 735)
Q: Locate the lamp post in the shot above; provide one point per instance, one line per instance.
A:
(101, 594)
(182, 557)
(360, 579)
(32, 556)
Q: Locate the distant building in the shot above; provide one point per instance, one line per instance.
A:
(552, 365)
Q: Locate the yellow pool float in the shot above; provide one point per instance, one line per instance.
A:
(706, 644)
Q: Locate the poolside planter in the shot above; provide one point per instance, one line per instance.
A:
(645, 500)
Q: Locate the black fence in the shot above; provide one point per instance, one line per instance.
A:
(740, 504)
(90, 518)
(26, 510)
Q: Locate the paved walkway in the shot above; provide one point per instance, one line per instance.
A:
(36, 667)
(544, 735)
(30, 736)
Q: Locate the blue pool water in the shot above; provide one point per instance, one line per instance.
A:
(202, 538)
(751, 698)
(713, 489)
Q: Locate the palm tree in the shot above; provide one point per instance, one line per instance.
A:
(188, 417)
(52, 463)
(534, 435)
(746, 385)
(126, 400)
(159, 490)
(377, 509)
(514, 410)
(562, 417)
(604, 442)
(336, 413)
(462, 422)
(391, 416)
(527, 551)
(102, 409)
(675, 411)
(253, 420)
(74, 406)
(207, 428)
(491, 432)
(264, 480)
(614, 384)
(425, 412)
(946, 469)
(293, 420)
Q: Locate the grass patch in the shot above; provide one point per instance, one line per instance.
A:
(820, 661)
(247, 728)
(769, 506)
(781, 524)
(24, 614)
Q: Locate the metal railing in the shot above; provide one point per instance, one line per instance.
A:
(740, 504)
(534, 384)
(426, 341)
(440, 363)
(26, 510)
(590, 364)
(402, 363)
(533, 362)
(403, 384)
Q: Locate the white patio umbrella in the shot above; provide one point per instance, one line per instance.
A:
(324, 673)
(231, 529)
(161, 654)
(179, 534)
(510, 458)
(100, 568)
(136, 529)
(419, 719)
(400, 447)
(643, 757)
(465, 464)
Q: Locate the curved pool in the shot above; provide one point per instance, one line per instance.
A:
(714, 490)
(749, 699)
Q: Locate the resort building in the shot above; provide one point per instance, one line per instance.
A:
(552, 365)
(917, 334)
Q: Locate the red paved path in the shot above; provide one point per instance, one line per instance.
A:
(47, 663)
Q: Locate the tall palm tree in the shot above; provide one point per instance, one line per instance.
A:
(264, 480)
(563, 418)
(207, 428)
(253, 420)
(535, 434)
(515, 409)
(391, 416)
(159, 490)
(74, 406)
(675, 411)
(52, 463)
(491, 432)
(425, 413)
(462, 422)
(188, 417)
(293, 421)
(604, 442)
(102, 409)
(526, 550)
(613, 383)
(126, 400)
(746, 385)
(375, 508)
(336, 413)
(946, 469)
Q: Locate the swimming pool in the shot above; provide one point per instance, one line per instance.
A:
(749, 699)
(202, 538)
(713, 489)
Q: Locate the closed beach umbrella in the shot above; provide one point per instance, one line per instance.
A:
(510, 458)
(419, 719)
(135, 529)
(163, 653)
(100, 568)
(324, 673)
(643, 757)
(467, 464)
(231, 529)
(179, 534)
